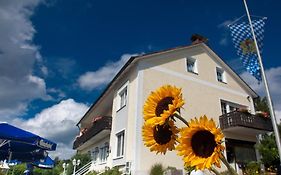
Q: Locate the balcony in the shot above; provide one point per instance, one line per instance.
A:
(244, 122)
(100, 128)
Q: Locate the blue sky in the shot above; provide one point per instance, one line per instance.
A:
(56, 56)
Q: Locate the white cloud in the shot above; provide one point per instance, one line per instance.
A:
(57, 123)
(17, 57)
(274, 82)
(224, 39)
(102, 76)
(225, 24)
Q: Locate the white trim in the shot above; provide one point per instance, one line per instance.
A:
(116, 144)
(223, 76)
(195, 64)
(205, 83)
(138, 120)
(120, 90)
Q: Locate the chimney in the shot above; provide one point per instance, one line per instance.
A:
(196, 38)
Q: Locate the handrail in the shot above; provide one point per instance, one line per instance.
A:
(103, 124)
(84, 169)
(237, 118)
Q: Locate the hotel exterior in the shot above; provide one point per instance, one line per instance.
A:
(210, 87)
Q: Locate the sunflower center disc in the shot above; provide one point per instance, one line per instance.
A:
(203, 143)
(162, 134)
(162, 105)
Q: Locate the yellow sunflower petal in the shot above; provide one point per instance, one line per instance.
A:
(163, 103)
(200, 143)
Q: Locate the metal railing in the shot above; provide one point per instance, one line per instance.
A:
(84, 169)
(102, 124)
(245, 119)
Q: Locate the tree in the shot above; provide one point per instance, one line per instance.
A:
(84, 159)
(261, 104)
(268, 150)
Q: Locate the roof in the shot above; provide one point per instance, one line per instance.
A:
(134, 59)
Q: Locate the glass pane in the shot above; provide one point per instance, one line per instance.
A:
(118, 145)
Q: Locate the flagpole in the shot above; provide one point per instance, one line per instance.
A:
(272, 114)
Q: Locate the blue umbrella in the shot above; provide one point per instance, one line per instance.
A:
(46, 163)
(9, 133)
(31, 156)
(20, 145)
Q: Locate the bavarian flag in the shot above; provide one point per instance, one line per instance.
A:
(244, 43)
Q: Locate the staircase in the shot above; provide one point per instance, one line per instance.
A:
(84, 169)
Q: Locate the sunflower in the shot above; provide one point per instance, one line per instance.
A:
(163, 103)
(200, 144)
(159, 138)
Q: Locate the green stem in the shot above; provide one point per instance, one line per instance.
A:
(215, 171)
(181, 119)
(230, 169)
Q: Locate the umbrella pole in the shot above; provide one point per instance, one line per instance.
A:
(9, 160)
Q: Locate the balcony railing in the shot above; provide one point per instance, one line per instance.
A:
(244, 119)
(104, 123)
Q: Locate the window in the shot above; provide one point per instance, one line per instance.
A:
(227, 107)
(240, 151)
(104, 152)
(223, 108)
(95, 154)
(123, 97)
(221, 75)
(191, 65)
(120, 143)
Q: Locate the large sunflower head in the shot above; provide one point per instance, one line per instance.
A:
(159, 138)
(162, 103)
(200, 144)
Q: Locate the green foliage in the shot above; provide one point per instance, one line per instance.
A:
(92, 173)
(84, 159)
(112, 171)
(268, 150)
(252, 168)
(17, 169)
(261, 104)
(225, 173)
(189, 169)
(157, 169)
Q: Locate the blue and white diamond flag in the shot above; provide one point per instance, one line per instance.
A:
(244, 43)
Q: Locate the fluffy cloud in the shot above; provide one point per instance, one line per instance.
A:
(274, 82)
(102, 76)
(17, 57)
(57, 123)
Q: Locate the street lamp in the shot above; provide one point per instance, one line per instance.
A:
(65, 166)
(75, 163)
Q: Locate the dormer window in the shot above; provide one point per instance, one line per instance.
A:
(191, 65)
(220, 75)
(122, 97)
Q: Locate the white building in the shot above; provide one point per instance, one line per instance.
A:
(209, 85)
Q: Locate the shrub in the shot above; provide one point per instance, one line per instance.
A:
(112, 171)
(252, 168)
(157, 169)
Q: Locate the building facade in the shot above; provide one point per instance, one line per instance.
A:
(210, 87)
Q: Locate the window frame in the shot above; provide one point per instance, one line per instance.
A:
(122, 97)
(222, 76)
(120, 150)
(230, 106)
(104, 152)
(191, 61)
(95, 154)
